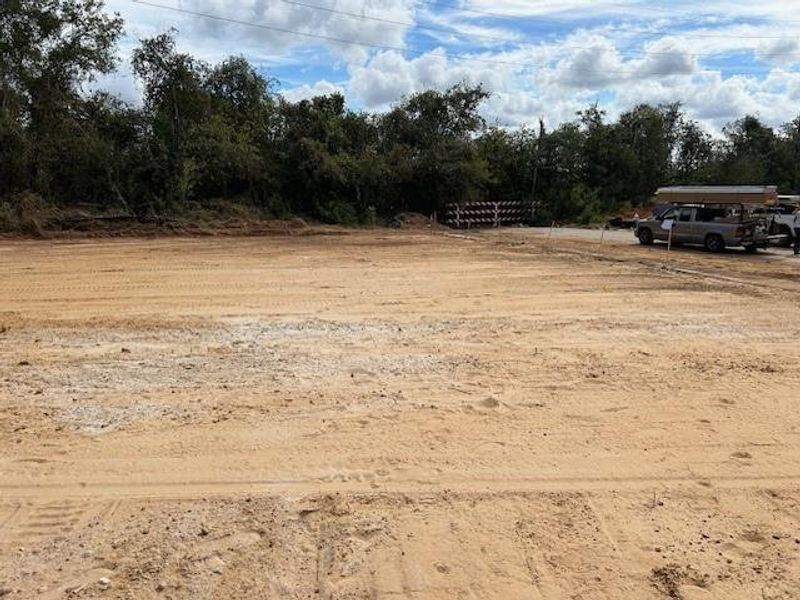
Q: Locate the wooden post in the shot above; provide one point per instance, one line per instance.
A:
(496, 215)
(550, 234)
(602, 235)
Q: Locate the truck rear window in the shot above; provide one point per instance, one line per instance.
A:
(712, 213)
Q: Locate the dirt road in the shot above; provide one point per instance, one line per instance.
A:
(397, 415)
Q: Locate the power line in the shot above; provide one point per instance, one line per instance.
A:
(644, 7)
(627, 5)
(402, 50)
(393, 22)
(503, 39)
(667, 12)
(517, 18)
(455, 32)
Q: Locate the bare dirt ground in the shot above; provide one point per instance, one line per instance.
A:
(397, 415)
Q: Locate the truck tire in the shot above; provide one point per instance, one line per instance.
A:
(645, 236)
(715, 242)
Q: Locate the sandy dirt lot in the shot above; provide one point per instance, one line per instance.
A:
(397, 415)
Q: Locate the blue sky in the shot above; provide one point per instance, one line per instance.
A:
(547, 58)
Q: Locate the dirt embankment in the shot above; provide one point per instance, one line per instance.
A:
(26, 216)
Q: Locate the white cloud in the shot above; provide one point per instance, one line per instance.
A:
(252, 27)
(665, 65)
(389, 76)
(595, 67)
(551, 58)
(675, 10)
(306, 91)
(782, 51)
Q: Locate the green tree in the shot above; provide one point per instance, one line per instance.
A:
(646, 138)
(693, 153)
(49, 48)
(435, 131)
(788, 157)
(749, 152)
(177, 101)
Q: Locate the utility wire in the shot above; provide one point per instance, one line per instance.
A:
(400, 49)
(533, 19)
(503, 39)
(642, 5)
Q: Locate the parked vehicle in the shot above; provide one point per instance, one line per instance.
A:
(715, 226)
(781, 219)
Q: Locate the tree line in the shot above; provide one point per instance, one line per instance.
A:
(209, 133)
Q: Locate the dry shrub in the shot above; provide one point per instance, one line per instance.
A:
(26, 213)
